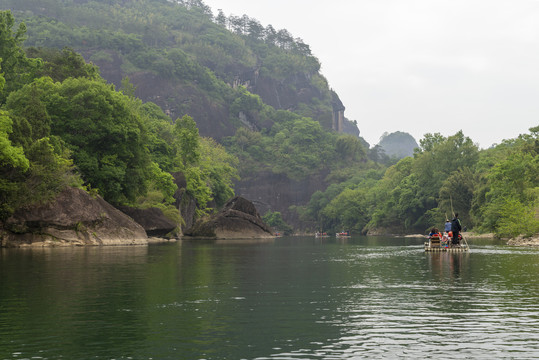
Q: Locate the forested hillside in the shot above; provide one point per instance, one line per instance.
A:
(180, 56)
(257, 92)
(227, 73)
(62, 125)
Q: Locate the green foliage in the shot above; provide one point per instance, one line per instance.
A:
(246, 103)
(102, 127)
(187, 141)
(198, 188)
(275, 220)
(160, 140)
(456, 195)
(51, 170)
(106, 135)
(17, 68)
(516, 219)
(13, 165)
(57, 107)
(120, 146)
(10, 156)
(507, 196)
(220, 168)
(60, 65)
(346, 211)
(412, 194)
(349, 148)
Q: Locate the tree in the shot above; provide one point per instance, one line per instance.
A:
(509, 185)
(221, 170)
(187, 141)
(29, 108)
(275, 220)
(101, 127)
(10, 156)
(60, 65)
(17, 68)
(254, 29)
(456, 195)
(349, 147)
(270, 34)
(221, 18)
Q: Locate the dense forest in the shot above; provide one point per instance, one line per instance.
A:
(261, 106)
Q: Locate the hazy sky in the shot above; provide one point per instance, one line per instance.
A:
(420, 66)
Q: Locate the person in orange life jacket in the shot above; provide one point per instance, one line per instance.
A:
(435, 231)
(456, 228)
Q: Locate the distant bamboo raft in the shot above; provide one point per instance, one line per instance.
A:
(429, 248)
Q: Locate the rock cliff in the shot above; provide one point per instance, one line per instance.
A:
(73, 218)
(178, 98)
(276, 192)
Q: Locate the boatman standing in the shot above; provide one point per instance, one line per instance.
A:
(455, 229)
(447, 226)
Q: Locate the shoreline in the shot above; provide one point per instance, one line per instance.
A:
(524, 241)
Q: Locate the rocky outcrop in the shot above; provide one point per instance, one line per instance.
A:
(154, 222)
(73, 218)
(183, 201)
(524, 241)
(238, 219)
(276, 192)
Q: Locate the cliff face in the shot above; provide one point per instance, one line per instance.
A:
(276, 192)
(213, 119)
(281, 94)
(73, 218)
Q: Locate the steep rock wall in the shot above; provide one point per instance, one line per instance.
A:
(276, 192)
(178, 98)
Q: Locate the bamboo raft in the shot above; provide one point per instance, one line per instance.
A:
(435, 244)
(461, 248)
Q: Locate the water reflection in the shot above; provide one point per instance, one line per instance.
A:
(288, 298)
(447, 266)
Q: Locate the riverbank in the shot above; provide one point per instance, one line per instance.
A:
(524, 241)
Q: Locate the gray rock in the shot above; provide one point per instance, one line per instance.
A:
(154, 222)
(73, 218)
(237, 220)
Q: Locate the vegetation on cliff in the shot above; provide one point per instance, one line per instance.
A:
(183, 41)
(77, 130)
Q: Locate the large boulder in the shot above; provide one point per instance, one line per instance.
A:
(183, 201)
(154, 222)
(238, 219)
(73, 218)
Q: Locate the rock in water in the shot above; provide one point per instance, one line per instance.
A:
(154, 222)
(238, 219)
(73, 218)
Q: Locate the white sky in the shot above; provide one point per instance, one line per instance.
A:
(420, 66)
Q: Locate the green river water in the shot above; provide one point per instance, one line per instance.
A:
(288, 298)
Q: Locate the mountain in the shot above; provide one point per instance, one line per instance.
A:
(241, 82)
(398, 144)
(187, 61)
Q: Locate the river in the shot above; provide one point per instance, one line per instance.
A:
(287, 298)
